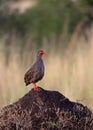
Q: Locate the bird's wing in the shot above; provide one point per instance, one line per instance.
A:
(31, 74)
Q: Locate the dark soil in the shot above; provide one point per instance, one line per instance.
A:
(45, 110)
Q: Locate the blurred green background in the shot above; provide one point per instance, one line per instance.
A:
(64, 29)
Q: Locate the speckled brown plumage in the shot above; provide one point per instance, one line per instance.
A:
(36, 72)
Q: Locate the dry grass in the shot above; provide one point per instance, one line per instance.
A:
(71, 73)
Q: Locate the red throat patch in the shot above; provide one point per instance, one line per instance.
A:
(41, 53)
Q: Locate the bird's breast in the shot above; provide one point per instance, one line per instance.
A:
(41, 67)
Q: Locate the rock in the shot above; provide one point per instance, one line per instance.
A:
(45, 110)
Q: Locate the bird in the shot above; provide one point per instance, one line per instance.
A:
(36, 72)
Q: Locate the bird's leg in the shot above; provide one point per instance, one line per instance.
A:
(35, 87)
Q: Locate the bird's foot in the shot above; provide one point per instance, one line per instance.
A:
(36, 88)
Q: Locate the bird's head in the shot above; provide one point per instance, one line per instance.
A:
(41, 53)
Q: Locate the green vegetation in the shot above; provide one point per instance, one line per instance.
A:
(49, 19)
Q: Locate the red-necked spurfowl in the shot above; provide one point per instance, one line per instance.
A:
(36, 72)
